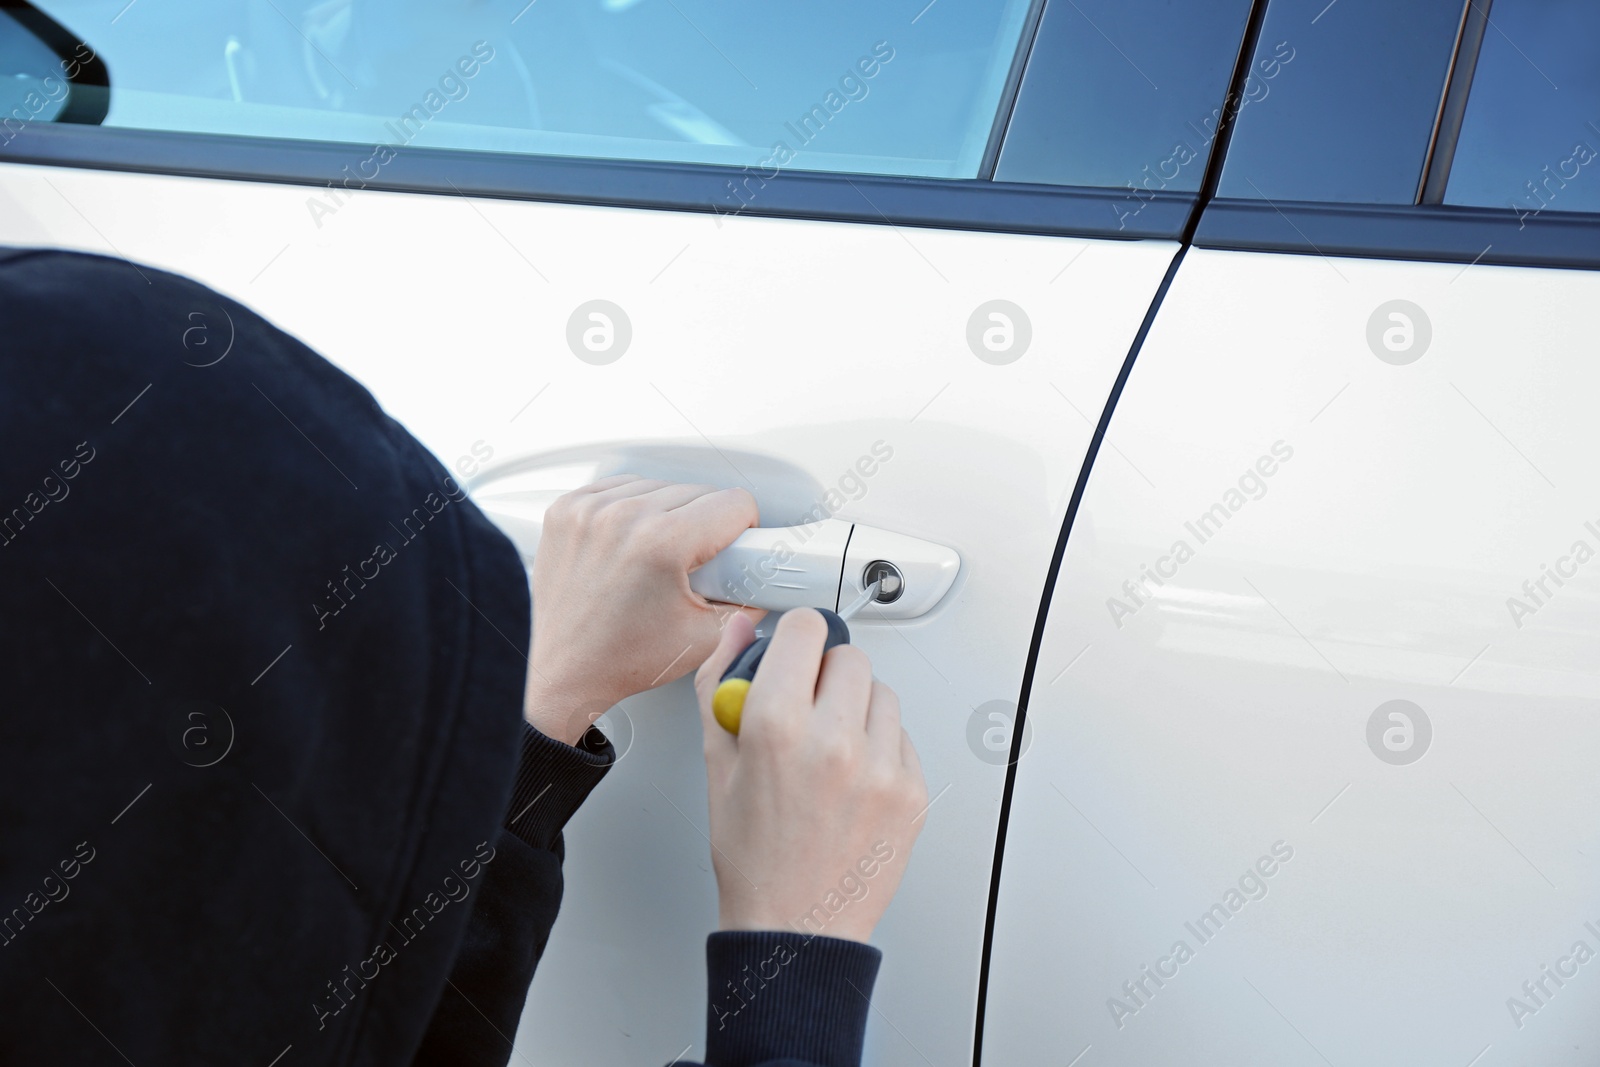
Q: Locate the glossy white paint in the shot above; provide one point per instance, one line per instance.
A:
(927, 571)
(1229, 710)
(778, 354)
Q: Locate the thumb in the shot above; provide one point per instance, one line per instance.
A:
(738, 631)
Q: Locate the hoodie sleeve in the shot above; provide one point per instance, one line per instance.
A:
(516, 906)
(777, 999)
(774, 999)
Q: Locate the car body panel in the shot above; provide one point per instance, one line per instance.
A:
(1176, 739)
(781, 350)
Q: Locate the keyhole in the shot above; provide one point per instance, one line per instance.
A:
(893, 583)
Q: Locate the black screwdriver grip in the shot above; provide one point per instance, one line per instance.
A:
(745, 664)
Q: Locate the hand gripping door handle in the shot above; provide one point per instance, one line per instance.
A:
(776, 567)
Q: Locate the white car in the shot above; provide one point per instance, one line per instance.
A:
(1219, 377)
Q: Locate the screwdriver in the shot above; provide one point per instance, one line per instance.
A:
(727, 703)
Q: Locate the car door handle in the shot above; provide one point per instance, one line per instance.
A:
(777, 567)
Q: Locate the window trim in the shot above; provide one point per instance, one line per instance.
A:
(1011, 90)
(1437, 233)
(1453, 103)
(961, 204)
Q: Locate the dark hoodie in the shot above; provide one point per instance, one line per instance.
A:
(265, 789)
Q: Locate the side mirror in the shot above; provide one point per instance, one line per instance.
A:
(46, 73)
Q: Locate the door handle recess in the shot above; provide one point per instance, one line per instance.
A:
(776, 567)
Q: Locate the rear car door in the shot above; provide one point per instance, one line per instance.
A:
(1311, 778)
(879, 264)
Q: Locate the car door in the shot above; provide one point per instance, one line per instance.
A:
(881, 265)
(1311, 774)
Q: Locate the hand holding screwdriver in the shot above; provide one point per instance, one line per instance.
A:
(822, 784)
(727, 703)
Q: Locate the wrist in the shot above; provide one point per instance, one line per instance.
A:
(818, 920)
(558, 713)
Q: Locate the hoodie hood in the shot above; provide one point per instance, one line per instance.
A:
(264, 668)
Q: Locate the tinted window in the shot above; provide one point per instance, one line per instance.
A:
(1350, 119)
(1124, 93)
(1530, 138)
(906, 87)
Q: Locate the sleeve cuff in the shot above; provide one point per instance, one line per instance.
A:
(553, 780)
(776, 995)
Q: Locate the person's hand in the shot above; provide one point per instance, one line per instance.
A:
(613, 614)
(817, 801)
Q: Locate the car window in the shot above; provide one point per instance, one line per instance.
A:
(1128, 93)
(1351, 118)
(906, 87)
(1530, 137)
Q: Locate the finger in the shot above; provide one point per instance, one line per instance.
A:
(736, 636)
(675, 495)
(788, 672)
(634, 487)
(709, 523)
(721, 616)
(755, 615)
(909, 757)
(705, 627)
(723, 612)
(883, 724)
(844, 688)
(738, 630)
(604, 483)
